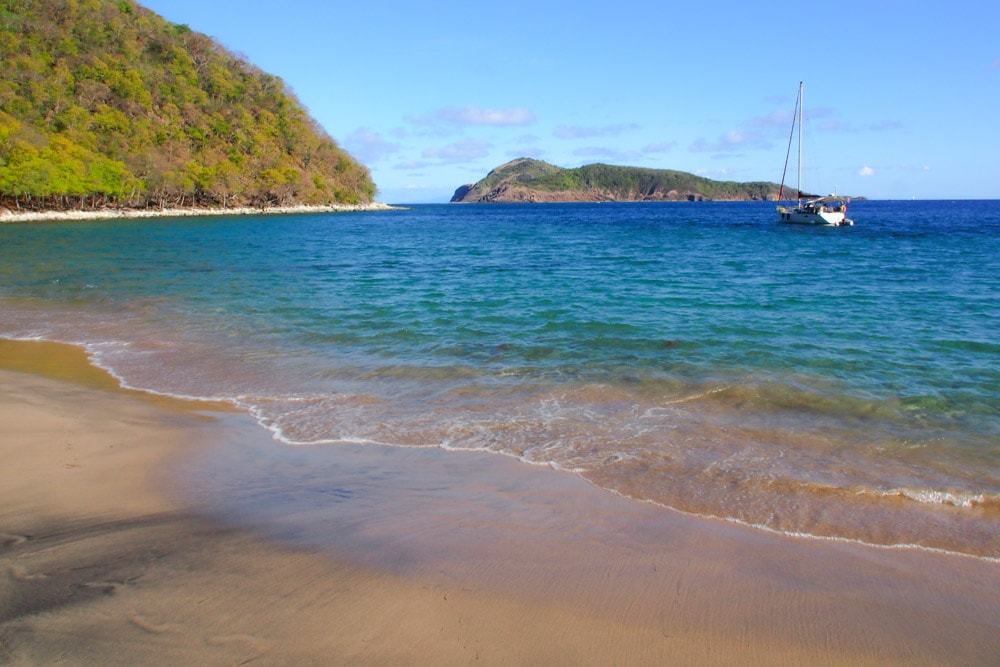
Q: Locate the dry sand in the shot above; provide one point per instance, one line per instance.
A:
(114, 550)
(7, 215)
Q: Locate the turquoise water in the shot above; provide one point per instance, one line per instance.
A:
(840, 382)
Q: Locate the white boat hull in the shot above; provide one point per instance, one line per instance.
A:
(818, 215)
(830, 211)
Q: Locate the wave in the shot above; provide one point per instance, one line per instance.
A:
(952, 498)
(736, 451)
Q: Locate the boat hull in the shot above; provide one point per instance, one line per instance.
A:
(814, 216)
(829, 211)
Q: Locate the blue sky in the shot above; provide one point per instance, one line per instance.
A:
(902, 97)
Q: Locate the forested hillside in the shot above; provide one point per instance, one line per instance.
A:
(528, 180)
(104, 103)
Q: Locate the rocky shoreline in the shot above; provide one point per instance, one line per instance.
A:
(6, 215)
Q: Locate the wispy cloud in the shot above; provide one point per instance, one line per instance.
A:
(780, 122)
(720, 173)
(412, 165)
(604, 153)
(866, 171)
(778, 119)
(368, 146)
(816, 113)
(660, 147)
(845, 128)
(477, 116)
(884, 126)
(525, 139)
(732, 141)
(460, 151)
(526, 151)
(454, 121)
(586, 132)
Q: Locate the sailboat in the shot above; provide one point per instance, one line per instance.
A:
(830, 210)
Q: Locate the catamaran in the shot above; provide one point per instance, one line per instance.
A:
(829, 210)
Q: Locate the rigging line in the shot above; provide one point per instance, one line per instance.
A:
(788, 151)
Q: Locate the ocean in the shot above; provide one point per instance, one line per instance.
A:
(839, 383)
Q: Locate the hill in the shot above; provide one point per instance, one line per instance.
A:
(105, 104)
(528, 180)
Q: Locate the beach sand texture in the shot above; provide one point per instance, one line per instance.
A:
(110, 553)
(7, 215)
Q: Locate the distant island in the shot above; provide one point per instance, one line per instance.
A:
(105, 105)
(528, 180)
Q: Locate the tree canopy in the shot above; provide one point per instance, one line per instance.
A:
(525, 179)
(104, 103)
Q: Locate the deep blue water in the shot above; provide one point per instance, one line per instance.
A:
(829, 381)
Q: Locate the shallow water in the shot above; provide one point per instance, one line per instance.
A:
(841, 382)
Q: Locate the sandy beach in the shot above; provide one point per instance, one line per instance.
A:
(137, 529)
(7, 215)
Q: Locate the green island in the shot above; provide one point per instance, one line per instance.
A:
(529, 180)
(106, 105)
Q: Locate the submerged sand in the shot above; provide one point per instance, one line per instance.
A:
(142, 530)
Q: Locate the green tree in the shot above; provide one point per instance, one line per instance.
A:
(104, 103)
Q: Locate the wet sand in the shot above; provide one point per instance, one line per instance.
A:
(138, 529)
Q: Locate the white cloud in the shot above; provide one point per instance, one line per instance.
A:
(582, 132)
(368, 146)
(527, 151)
(460, 151)
(525, 139)
(778, 119)
(836, 126)
(722, 172)
(884, 125)
(866, 171)
(659, 147)
(734, 140)
(412, 165)
(478, 116)
(601, 152)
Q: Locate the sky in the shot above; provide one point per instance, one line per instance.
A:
(902, 97)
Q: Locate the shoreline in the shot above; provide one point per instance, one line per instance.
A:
(51, 353)
(138, 528)
(9, 216)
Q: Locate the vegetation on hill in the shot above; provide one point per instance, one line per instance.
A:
(104, 103)
(529, 180)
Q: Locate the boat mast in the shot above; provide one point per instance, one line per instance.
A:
(798, 180)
